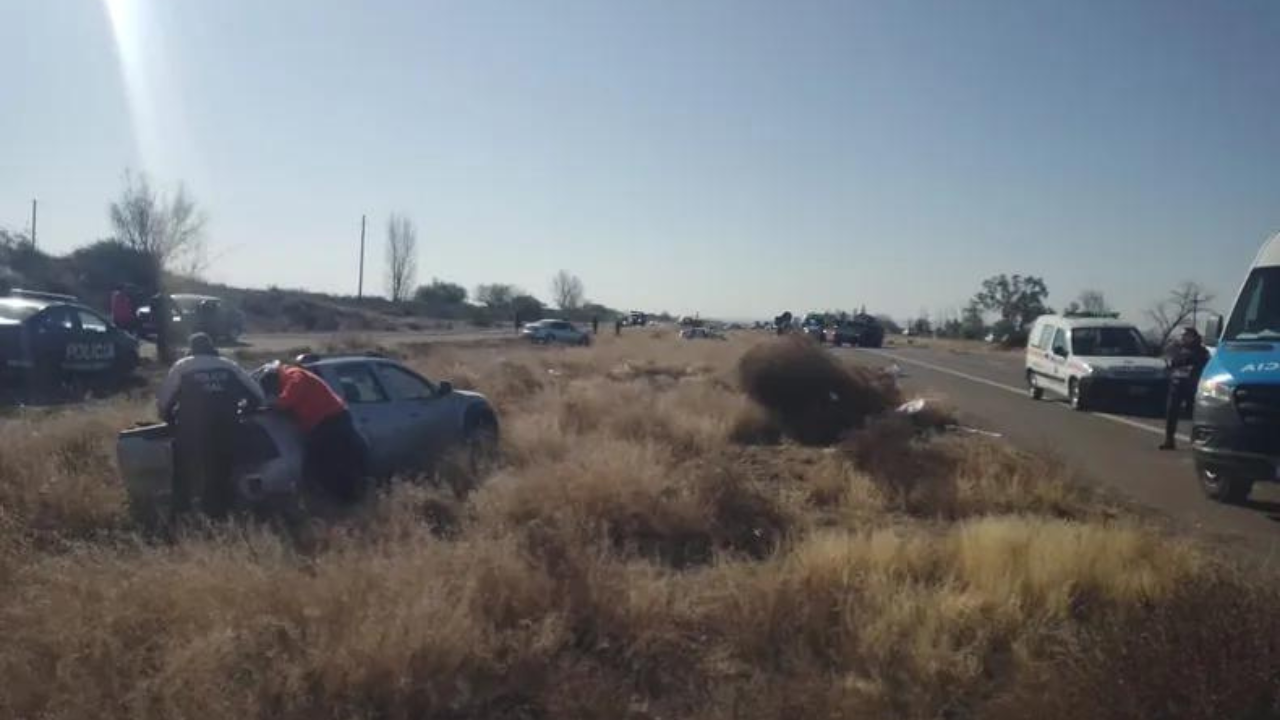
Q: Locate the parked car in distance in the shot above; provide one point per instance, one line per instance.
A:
(861, 331)
(409, 422)
(1089, 360)
(46, 337)
(555, 331)
(195, 313)
(813, 326)
(700, 333)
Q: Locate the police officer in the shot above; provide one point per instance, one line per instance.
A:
(1186, 360)
(201, 398)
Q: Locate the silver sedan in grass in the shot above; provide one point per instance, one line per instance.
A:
(409, 422)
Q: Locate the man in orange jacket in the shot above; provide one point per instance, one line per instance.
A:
(336, 454)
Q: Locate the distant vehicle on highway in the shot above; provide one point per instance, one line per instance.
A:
(861, 330)
(409, 422)
(1090, 359)
(195, 313)
(48, 338)
(1235, 435)
(700, 333)
(813, 326)
(555, 331)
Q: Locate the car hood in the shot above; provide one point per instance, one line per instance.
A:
(1137, 365)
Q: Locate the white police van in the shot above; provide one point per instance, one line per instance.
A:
(1235, 433)
(1091, 360)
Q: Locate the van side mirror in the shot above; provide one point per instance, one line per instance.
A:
(1213, 330)
(444, 388)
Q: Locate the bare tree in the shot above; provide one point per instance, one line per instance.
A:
(1183, 304)
(402, 257)
(167, 228)
(566, 290)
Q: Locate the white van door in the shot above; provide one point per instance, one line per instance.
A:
(1059, 355)
(1039, 360)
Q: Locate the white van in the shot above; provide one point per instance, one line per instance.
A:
(1090, 359)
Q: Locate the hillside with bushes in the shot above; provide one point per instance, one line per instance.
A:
(91, 273)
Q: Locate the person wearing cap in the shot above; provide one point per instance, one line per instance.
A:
(1186, 359)
(201, 397)
(335, 455)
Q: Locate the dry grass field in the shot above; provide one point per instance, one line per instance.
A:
(655, 545)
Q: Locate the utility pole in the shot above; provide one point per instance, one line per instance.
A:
(360, 285)
(33, 222)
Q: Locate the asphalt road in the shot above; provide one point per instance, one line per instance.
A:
(1116, 449)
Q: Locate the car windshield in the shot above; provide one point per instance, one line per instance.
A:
(1107, 342)
(1257, 313)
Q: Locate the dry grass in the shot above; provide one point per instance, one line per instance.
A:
(628, 561)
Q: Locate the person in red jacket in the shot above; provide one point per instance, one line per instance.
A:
(122, 310)
(335, 453)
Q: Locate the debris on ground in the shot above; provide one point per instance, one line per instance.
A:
(812, 397)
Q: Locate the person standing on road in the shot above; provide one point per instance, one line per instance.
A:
(1186, 359)
(595, 325)
(617, 327)
(122, 313)
(201, 398)
(162, 317)
(335, 454)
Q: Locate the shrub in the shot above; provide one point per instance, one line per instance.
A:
(813, 398)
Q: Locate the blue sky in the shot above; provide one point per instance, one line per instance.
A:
(735, 158)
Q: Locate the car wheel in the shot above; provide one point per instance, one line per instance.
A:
(1223, 486)
(1033, 388)
(1076, 396)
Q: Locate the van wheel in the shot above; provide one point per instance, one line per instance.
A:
(1075, 396)
(1224, 487)
(1033, 388)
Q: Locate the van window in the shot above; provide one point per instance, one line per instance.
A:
(356, 385)
(1107, 342)
(1046, 336)
(1060, 342)
(1257, 312)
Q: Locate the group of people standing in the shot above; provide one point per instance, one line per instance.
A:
(203, 398)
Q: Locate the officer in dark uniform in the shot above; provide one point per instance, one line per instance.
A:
(201, 398)
(1186, 359)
